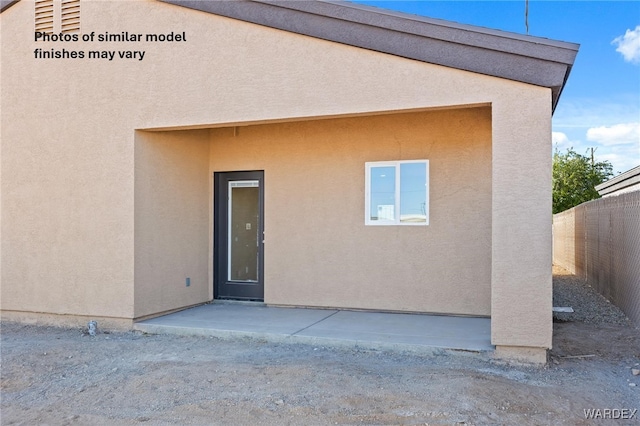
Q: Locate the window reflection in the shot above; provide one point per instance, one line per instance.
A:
(398, 193)
(383, 190)
(413, 193)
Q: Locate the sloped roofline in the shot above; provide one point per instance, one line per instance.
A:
(5, 4)
(623, 180)
(533, 60)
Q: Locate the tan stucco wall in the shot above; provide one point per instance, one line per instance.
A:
(521, 223)
(318, 250)
(173, 191)
(68, 141)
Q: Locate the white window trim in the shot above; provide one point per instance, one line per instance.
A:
(367, 196)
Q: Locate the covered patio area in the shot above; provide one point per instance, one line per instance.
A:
(328, 327)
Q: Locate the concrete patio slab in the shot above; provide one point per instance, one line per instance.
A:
(439, 331)
(373, 330)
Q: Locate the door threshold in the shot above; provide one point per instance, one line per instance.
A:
(238, 302)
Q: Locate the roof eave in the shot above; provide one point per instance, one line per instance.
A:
(623, 180)
(533, 60)
(6, 4)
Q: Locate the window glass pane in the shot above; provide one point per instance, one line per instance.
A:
(244, 216)
(413, 192)
(383, 188)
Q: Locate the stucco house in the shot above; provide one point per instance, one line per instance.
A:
(311, 153)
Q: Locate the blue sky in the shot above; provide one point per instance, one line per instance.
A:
(600, 105)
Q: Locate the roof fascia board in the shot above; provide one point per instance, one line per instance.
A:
(439, 29)
(527, 59)
(6, 4)
(623, 180)
(532, 60)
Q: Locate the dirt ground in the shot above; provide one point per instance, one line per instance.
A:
(55, 376)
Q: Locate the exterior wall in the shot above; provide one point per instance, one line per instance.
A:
(521, 289)
(599, 241)
(67, 320)
(172, 187)
(68, 146)
(318, 250)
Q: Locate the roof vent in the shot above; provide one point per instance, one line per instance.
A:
(70, 16)
(44, 16)
(57, 17)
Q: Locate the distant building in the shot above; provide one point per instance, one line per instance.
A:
(628, 181)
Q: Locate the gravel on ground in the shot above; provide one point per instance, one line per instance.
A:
(589, 306)
(58, 376)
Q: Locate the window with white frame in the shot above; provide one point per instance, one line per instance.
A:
(397, 193)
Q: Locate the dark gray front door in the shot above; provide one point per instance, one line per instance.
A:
(238, 235)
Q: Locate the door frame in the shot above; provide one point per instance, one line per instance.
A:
(222, 287)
